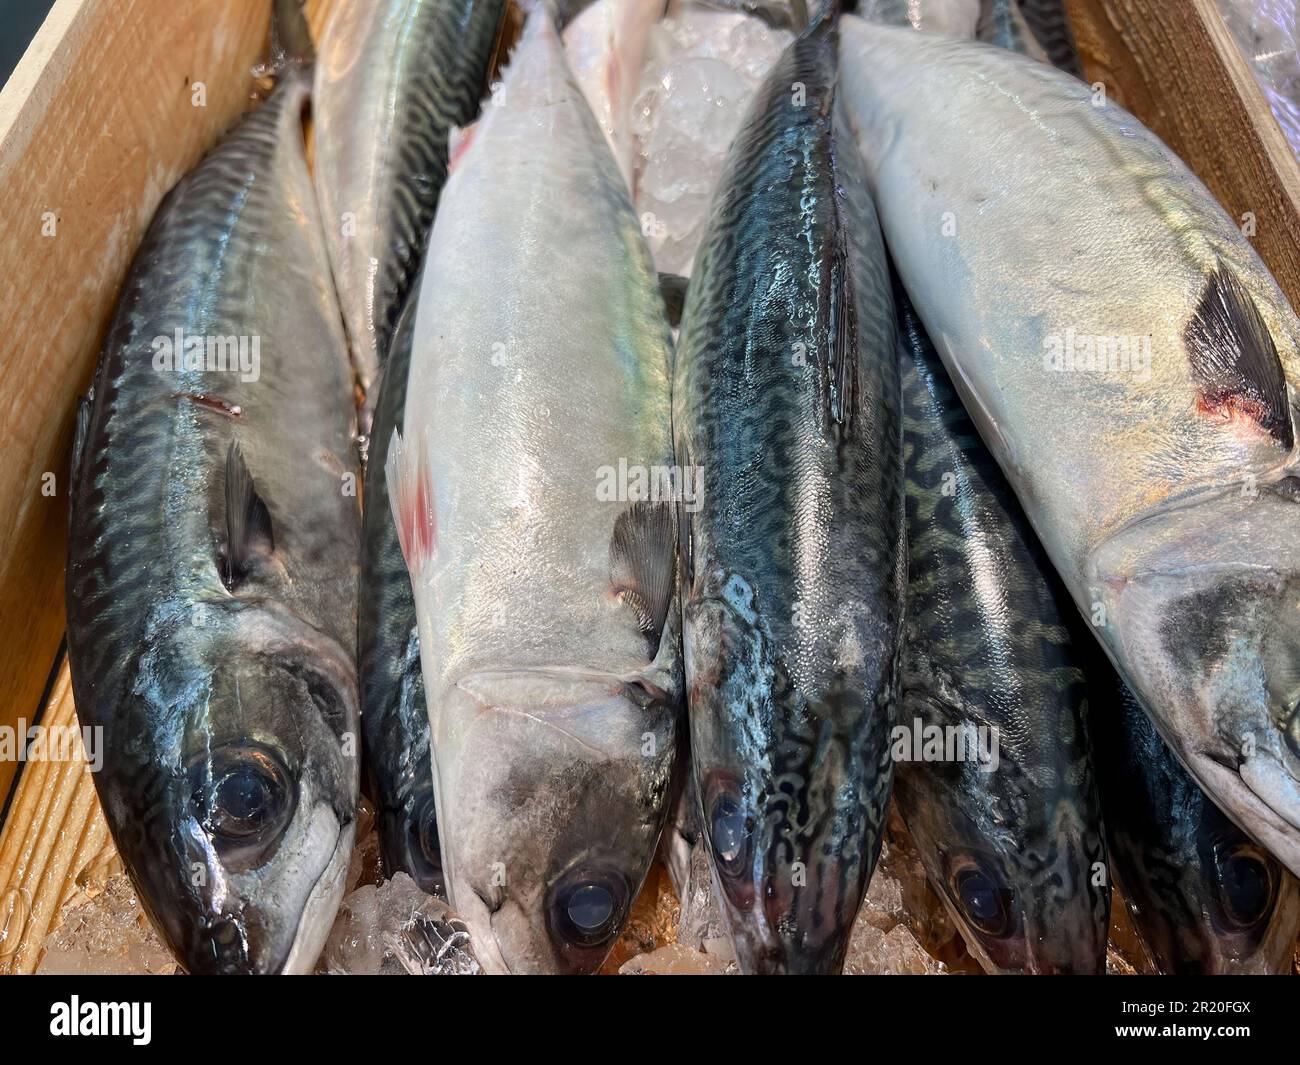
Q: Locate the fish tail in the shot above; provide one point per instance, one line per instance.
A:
(410, 491)
(291, 43)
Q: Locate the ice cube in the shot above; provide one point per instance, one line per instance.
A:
(394, 928)
(103, 930)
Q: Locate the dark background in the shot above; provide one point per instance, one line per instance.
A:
(19, 21)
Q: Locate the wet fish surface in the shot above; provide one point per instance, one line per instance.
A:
(1006, 815)
(606, 48)
(435, 59)
(392, 78)
(1130, 363)
(543, 582)
(211, 587)
(1203, 896)
(786, 399)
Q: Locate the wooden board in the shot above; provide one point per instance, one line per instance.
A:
(1176, 66)
(53, 841)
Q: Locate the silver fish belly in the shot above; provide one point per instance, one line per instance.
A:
(417, 69)
(542, 564)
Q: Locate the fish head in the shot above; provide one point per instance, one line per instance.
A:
(561, 782)
(1218, 903)
(1020, 867)
(249, 823)
(410, 831)
(1202, 605)
(792, 789)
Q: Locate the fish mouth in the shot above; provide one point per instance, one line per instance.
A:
(230, 943)
(1273, 784)
(1268, 793)
(317, 917)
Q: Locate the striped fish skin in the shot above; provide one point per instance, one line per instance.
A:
(550, 637)
(1016, 849)
(221, 666)
(1162, 482)
(786, 397)
(394, 713)
(1203, 897)
(1048, 22)
(392, 77)
(1003, 24)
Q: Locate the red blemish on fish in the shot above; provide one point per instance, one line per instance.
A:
(214, 403)
(417, 523)
(1234, 408)
(462, 146)
(421, 524)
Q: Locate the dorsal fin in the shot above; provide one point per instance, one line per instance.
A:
(642, 559)
(248, 522)
(841, 365)
(1234, 360)
(85, 404)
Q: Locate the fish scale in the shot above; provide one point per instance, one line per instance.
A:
(395, 75)
(215, 690)
(792, 600)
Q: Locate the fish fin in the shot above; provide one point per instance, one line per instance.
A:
(642, 563)
(672, 287)
(410, 492)
(82, 430)
(1234, 360)
(459, 138)
(291, 43)
(841, 363)
(248, 522)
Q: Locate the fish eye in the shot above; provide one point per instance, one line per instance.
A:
(984, 902)
(241, 794)
(587, 909)
(427, 828)
(730, 832)
(1247, 884)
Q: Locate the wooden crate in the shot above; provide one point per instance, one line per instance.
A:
(98, 122)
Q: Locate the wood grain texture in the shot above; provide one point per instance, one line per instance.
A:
(1175, 65)
(53, 841)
